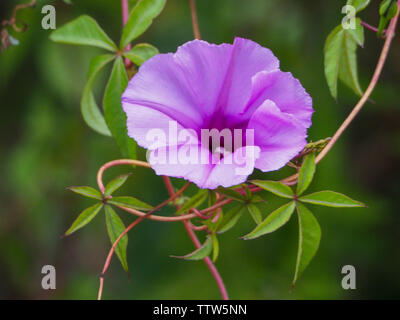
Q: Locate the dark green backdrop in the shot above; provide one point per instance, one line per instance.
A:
(45, 146)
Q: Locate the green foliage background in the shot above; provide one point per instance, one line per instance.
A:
(45, 147)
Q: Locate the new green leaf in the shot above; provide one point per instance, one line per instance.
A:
(90, 111)
(84, 218)
(273, 221)
(230, 193)
(194, 201)
(275, 187)
(201, 252)
(387, 11)
(140, 53)
(255, 213)
(115, 227)
(341, 59)
(115, 184)
(215, 246)
(306, 173)
(83, 31)
(114, 115)
(87, 192)
(359, 5)
(230, 219)
(331, 199)
(140, 19)
(309, 239)
(129, 202)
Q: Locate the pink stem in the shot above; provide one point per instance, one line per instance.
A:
(125, 16)
(197, 243)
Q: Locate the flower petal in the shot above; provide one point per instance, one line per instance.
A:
(161, 85)
(151, 128)
(188, 162)
(285, 91)
(248, 58)
(279, 135)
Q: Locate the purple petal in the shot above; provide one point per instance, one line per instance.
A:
(285, 91)
(247, 59)
(231, 170)
(279, 135)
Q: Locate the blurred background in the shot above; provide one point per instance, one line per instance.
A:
(45, 146)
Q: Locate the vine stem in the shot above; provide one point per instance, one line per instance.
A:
(195, 22)
(118, 162)
(378, 70)
(127, 229)
(125, 16)
(197, 243)
(377, 73)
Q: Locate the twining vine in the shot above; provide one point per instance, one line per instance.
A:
(211, 219)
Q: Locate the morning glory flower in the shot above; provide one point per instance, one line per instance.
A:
(211, 114)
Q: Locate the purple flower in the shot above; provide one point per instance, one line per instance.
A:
(260, 113)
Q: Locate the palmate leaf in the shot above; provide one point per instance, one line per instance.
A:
(230, 193)
(275, 187)
(114, 115)
(359, 5)
(306, 173)
(115, 184)
(255, 213)
(86, 191)
(140, 53)
(309, 239)
(215, 246)
(331, 199)
(341, 59)
(273, 221)
(90, 111)
(130, 202)
(115, 227)
(199, 253)
(230, 219)
(84, 218)
(140, 19)
(194, 201)
(83, 31)
(387, 11)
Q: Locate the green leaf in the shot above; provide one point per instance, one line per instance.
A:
(84, 218)
(115, 184)
(306, 173)
(201, 252)
(359, 4)
(90, 111)
(387, 10)
(273, 221)
(194, 201)
(115, 227)
(115, 116)
(140, 19)
(230, 193)
(275, 187)
(255, 213)
(309, 239)
(230, 219)
(341, 59)
(87, 192)
(129, 202)
(140, 53)
(331, 199)
(83, 31)
(215, 246)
